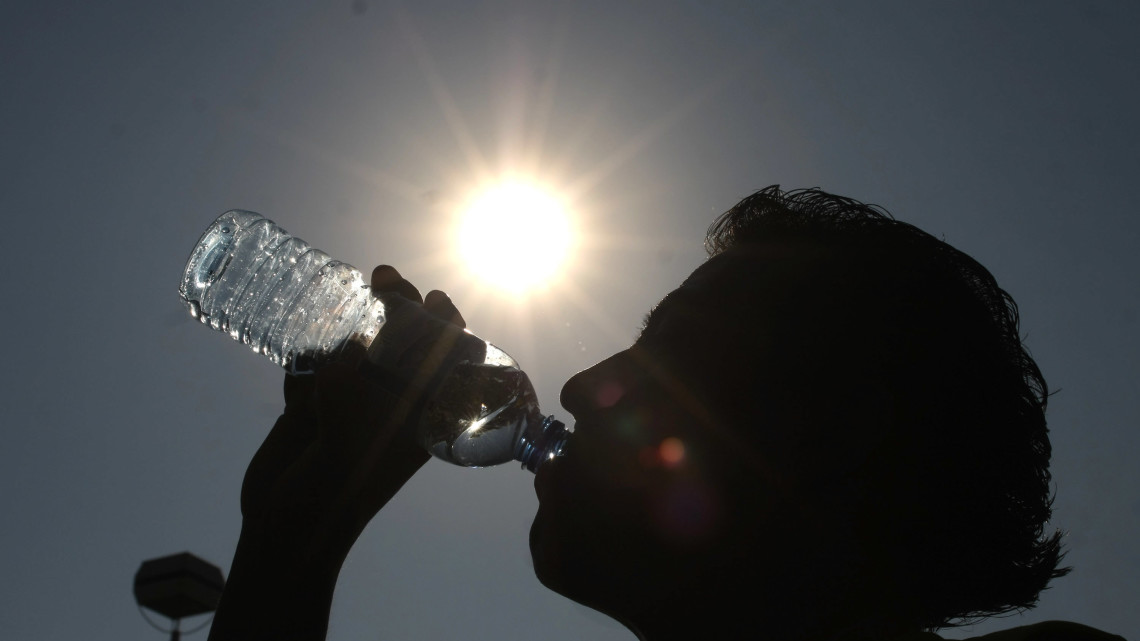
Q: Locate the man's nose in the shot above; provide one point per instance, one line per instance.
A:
(595, 388)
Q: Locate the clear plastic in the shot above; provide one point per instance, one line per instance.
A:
(248, 277)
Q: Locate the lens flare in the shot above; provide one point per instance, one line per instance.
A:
(671, 451)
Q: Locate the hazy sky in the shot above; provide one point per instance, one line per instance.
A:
(1006, 128)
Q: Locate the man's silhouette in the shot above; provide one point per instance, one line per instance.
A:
(829, 431)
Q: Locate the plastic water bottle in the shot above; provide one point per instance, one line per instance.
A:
(298, 306)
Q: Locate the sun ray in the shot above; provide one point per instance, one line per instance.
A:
(547, 91)
(476, 162)
(531, 153)
(589, 307)
(323, 155)
(654, 130)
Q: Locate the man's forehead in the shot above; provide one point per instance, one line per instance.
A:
(753, 264)
(711, 273)
(748, 279)
(714, 286)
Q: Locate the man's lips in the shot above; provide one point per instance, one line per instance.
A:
(548, 470)
(548, 476)
(542, 479)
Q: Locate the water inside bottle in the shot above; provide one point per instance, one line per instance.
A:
(479, 413)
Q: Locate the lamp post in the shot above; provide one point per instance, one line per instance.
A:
(177, 586)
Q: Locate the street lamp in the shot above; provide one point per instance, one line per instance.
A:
(177, 586)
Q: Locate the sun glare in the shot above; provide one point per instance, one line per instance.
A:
(515, 236)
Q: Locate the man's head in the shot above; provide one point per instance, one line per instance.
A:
(835, 404)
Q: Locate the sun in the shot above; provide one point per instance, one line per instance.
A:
(515, 235)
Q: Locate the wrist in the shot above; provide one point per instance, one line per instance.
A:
(279, 587)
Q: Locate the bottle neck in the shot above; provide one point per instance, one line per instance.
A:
(541, 442)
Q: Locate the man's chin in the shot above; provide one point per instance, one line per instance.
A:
(555, 567)
(540, 553)
(548, 552)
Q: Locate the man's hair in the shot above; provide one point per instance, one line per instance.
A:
(962, 482)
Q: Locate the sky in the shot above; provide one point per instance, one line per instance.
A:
(1007, 129)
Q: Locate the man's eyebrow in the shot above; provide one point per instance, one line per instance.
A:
(653, 314)
(663, 307)
(644, 322)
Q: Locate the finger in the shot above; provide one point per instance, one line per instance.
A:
(439, 304)
(385, 278)
(299, 396)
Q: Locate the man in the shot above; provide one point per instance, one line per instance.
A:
(829, 431)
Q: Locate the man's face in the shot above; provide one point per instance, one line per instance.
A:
(657, 479)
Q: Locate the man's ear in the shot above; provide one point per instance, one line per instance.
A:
(841, 433)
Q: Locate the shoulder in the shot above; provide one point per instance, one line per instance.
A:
(1050, 631)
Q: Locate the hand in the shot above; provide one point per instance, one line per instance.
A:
(340, 451)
